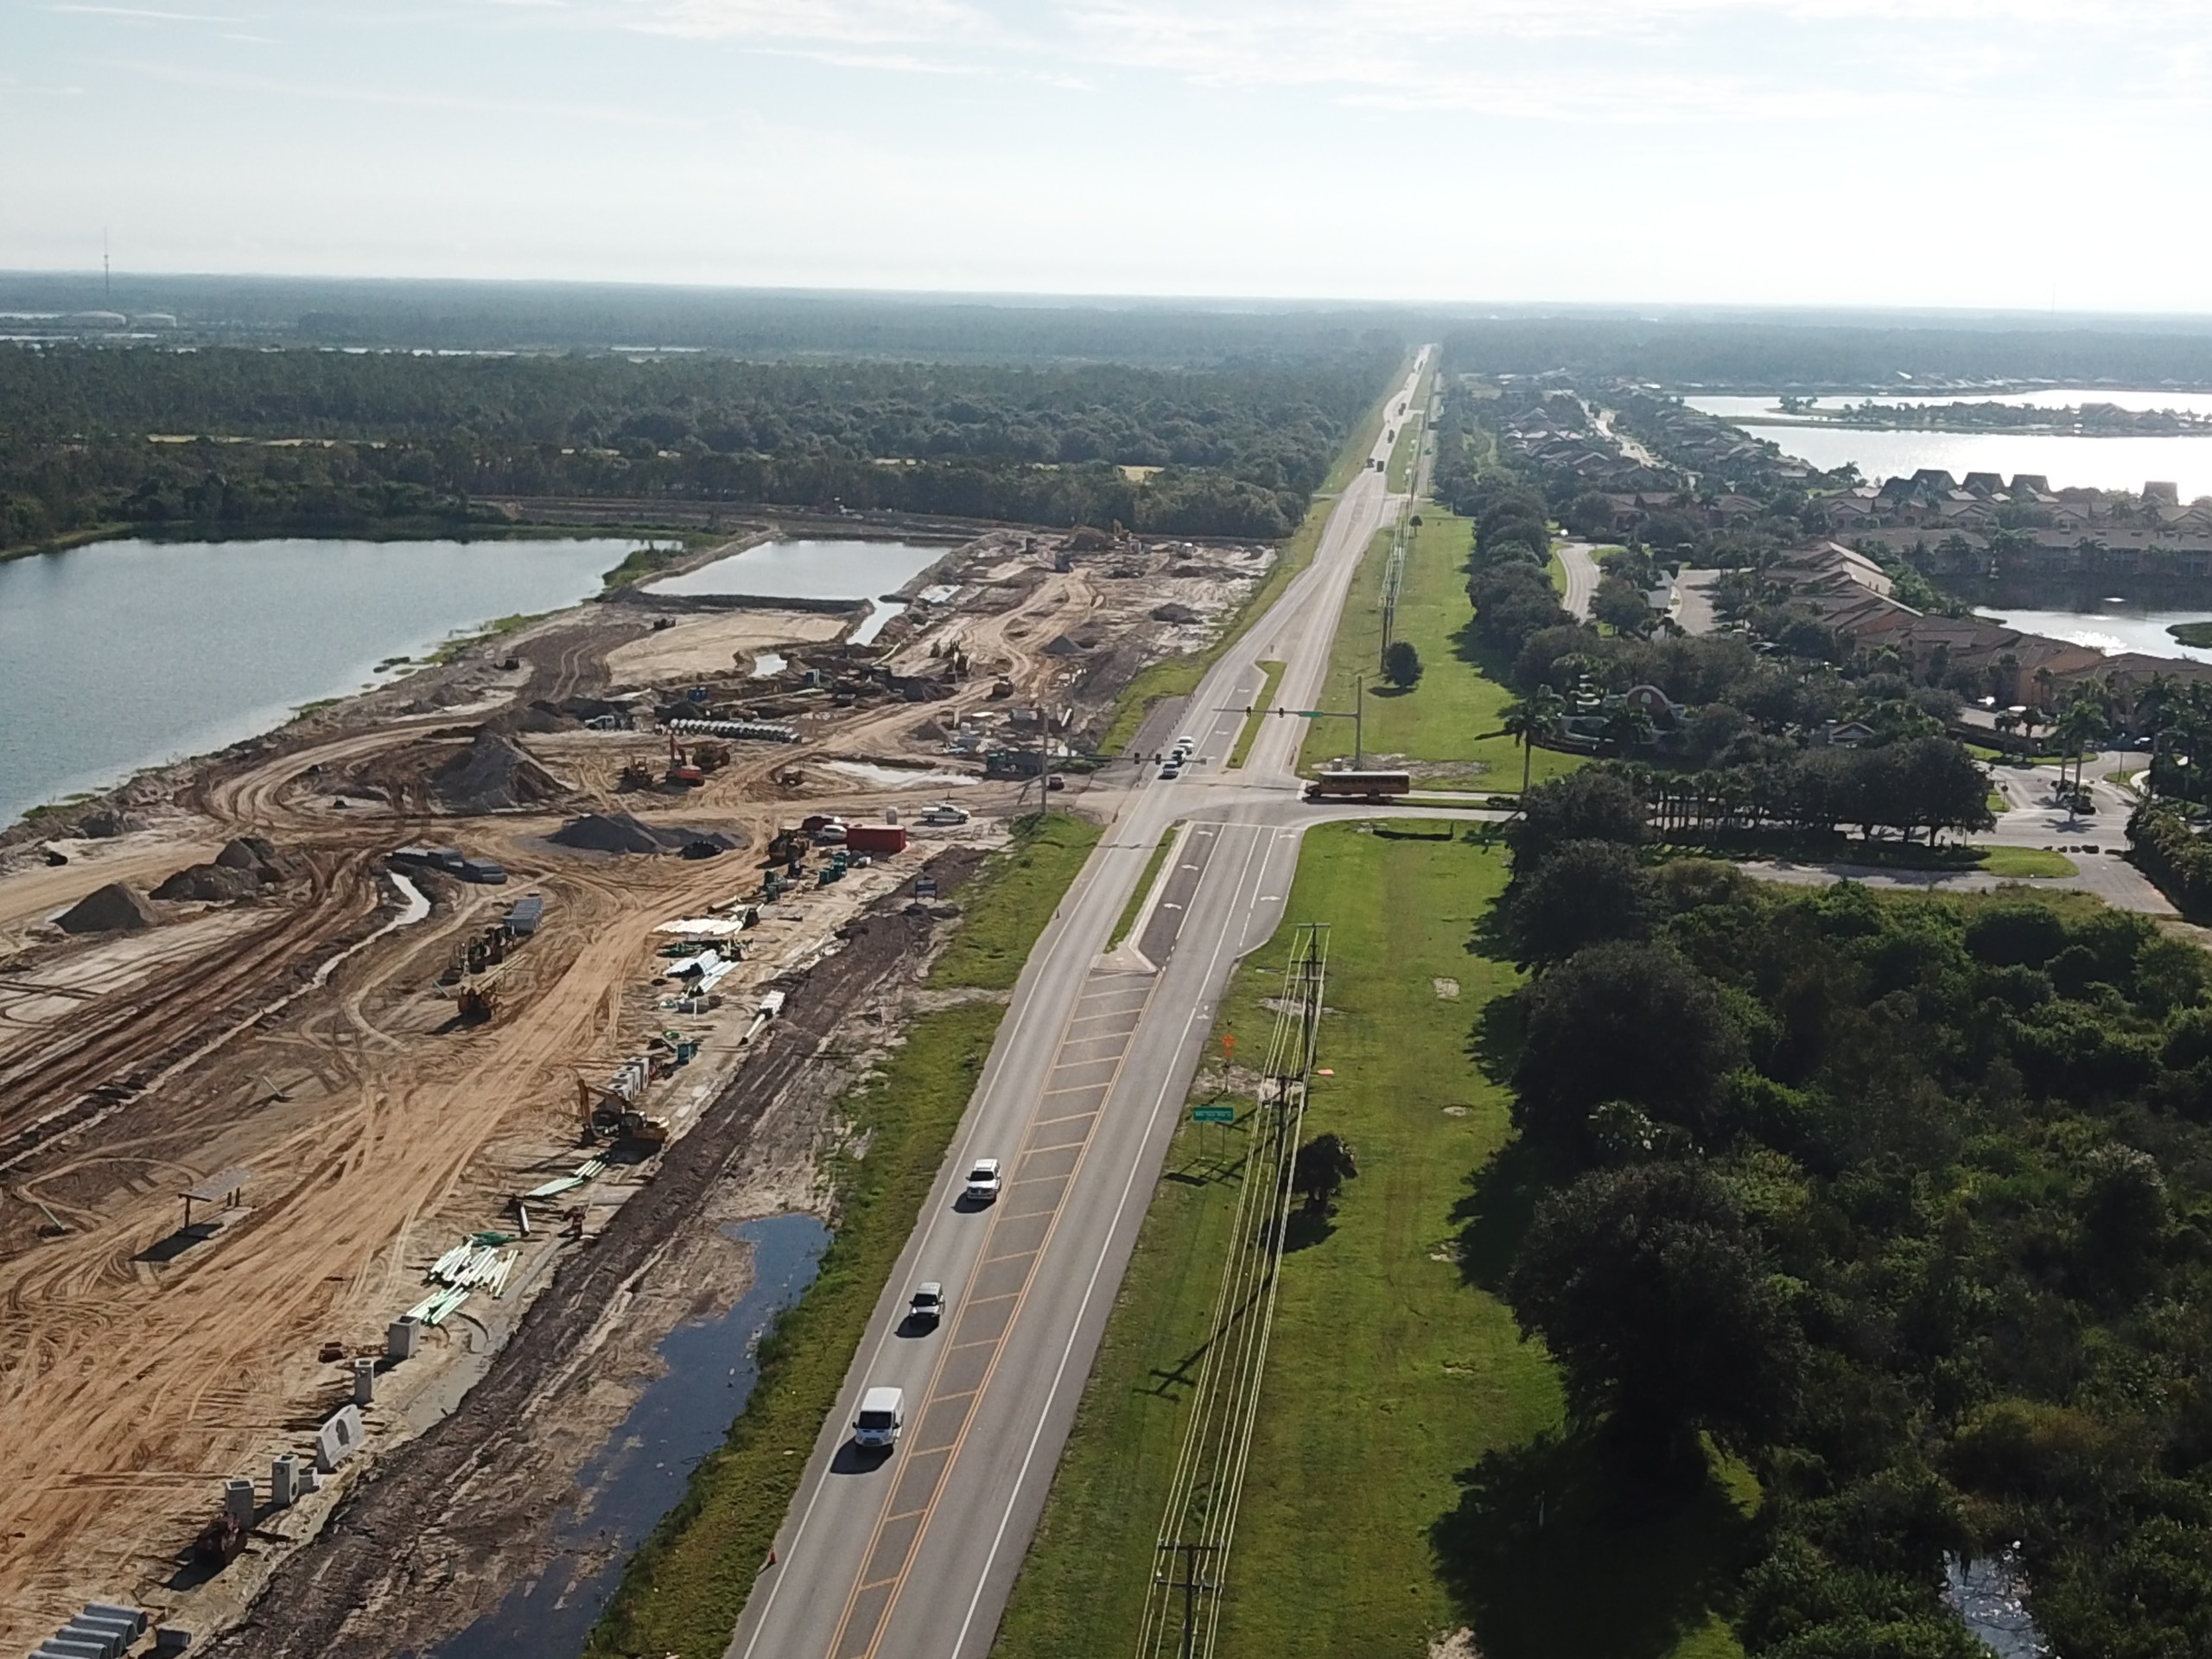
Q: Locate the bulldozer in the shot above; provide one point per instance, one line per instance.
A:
(636, 775)
(478, 1003)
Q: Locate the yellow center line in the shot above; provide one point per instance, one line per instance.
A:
(937, 1493)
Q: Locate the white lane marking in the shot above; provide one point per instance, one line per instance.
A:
(1048, 941)
(1097, 1267)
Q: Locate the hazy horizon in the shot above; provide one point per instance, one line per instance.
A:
(1949, 157)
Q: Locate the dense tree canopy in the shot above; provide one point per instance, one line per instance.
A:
(1909, 1201)
(1224, 448)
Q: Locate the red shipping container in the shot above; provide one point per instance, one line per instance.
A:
(875, 838)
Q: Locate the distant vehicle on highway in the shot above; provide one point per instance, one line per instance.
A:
(926, 1306)
(882, 1414)
(984, 1182)
(1172, 769)
(1358, 785)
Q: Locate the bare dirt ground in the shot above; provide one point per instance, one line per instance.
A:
(710, 645)
(140, 1368)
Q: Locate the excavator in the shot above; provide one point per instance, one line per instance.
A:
(680, 770)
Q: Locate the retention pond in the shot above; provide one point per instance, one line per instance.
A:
(643, 1470)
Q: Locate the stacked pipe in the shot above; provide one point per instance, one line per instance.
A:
(765, 731)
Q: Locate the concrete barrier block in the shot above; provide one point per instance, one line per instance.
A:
(338, 1439)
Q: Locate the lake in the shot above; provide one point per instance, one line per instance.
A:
(815, 569)
(125, 654)
(2111, 628)
(2120, 463)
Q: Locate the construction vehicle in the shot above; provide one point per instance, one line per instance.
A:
(478, 1003)
(710, 757)
(636, 775)
(609, 1116)
(680, 770)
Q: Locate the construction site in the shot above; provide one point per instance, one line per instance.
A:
(326, 1060)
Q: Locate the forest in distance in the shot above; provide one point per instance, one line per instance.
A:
(227, 440)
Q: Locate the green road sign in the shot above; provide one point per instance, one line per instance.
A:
(1213, 1114)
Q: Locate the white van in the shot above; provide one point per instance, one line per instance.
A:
(882, 1414)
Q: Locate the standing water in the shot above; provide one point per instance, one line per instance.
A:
(125, 654)
(1990, 1596)
(646, 1463)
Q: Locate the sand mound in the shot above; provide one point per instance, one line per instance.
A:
(1172, 612)
(1064, 647)
(102, 822)
(493, 774)
(214, 883)
(614, 832)
(115, 908)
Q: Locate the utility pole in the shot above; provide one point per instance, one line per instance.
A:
(1358, 722)
(1190, 1587)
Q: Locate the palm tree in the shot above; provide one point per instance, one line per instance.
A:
(2078, 729)
(1628, 727)
(1531, 719)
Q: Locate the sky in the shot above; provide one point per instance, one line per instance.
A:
(2024, 154)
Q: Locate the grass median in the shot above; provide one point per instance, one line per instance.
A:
(1134, 908)
(1392, 1373)
(1447, 728)
(1253, 722)
(683, 1590)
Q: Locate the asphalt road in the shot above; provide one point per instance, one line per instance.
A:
(912, 1555)
(1581, 577)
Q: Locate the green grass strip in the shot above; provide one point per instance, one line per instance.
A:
(1392, 1369)
(1020, 889)
(1143, 891)
(1449, 726)
(1258, 717)
(2026, 862)
(685, 1587)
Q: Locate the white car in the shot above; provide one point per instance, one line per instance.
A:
(926, 1306)
(882, 1414)
(983, 1182)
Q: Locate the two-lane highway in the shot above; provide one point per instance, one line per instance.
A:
(913, 1554)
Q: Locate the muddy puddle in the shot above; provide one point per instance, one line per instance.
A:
(639, 1474)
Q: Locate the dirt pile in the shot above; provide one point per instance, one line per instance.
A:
(116, 908)
(616, 832)
(245, 866)
(210, 883)
(492, 775)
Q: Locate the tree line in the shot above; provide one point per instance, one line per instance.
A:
(312, 437)
(1904, 1202)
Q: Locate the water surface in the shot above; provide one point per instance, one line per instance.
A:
(2116, 463)
(127, 653)
(647, 1461)
(2112, 628)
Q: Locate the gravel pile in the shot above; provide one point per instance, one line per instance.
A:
(116, 908)
(492, 775)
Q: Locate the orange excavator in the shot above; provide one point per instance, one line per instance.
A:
(681, 772)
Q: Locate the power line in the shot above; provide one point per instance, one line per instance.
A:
(1199, 1519)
